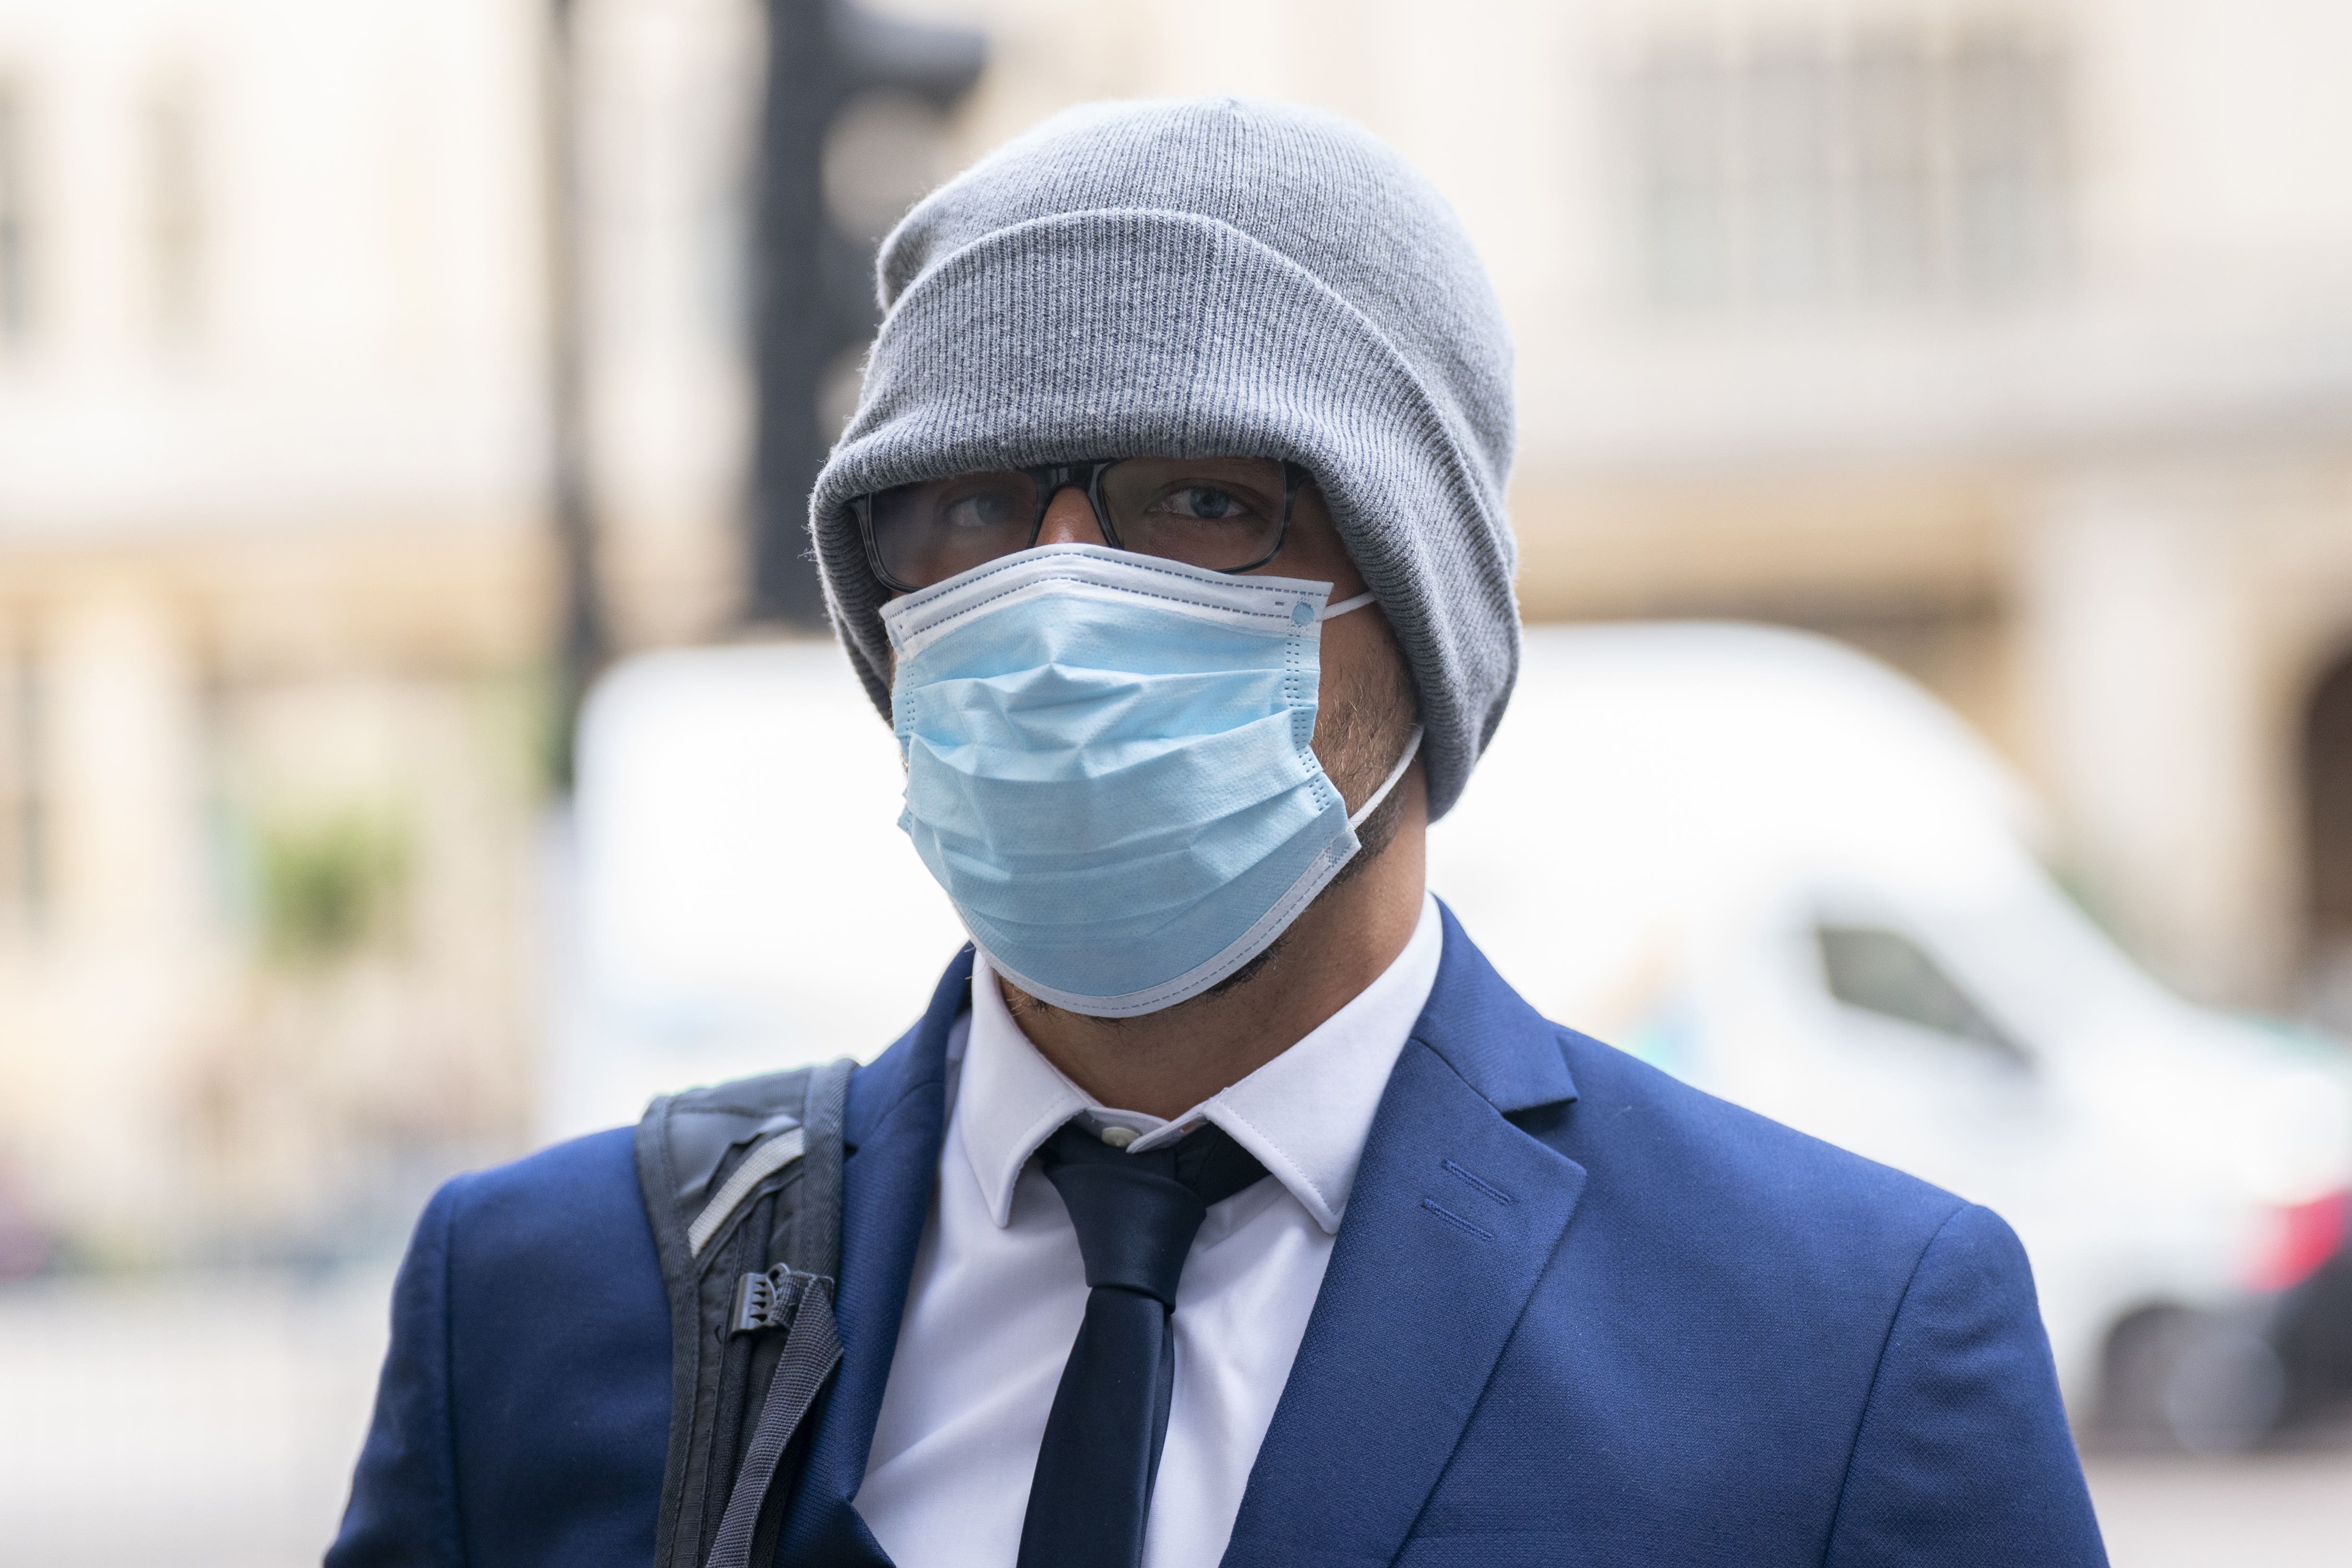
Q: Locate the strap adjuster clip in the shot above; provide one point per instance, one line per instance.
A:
(770, 1301)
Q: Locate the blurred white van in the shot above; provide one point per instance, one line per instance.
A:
(741, 898)
(1779, 871)
(1757, 859)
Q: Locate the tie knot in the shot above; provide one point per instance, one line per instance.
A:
(1135, 1214)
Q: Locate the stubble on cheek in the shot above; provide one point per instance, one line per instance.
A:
(1366, 718)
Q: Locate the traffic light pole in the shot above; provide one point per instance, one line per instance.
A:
(813, 285)
(581, 639)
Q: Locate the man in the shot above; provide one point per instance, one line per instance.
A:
(1226, 1205)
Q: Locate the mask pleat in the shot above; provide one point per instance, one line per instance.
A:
(1108, 766)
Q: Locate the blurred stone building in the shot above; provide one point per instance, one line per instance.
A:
(271, 429)
(2011, 342)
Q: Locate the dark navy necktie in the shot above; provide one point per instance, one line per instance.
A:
(1136, 1215)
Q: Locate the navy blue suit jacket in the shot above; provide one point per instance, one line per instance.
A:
(1579, 1312)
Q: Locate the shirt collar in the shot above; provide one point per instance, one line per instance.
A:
(1305, 1114)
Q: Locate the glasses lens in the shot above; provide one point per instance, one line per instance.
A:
(1223, 513)
(927, 533)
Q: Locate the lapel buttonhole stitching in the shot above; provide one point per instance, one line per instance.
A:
(1498, 1193)
(1455, 1221)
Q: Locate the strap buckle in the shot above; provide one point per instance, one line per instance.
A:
(770, 1300)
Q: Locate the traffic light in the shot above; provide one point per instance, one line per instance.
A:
(812, 284)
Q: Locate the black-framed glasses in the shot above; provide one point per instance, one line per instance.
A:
(1228, 514)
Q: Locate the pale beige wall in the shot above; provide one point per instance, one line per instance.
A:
(670, 99)
(2177, 614)
(120, 953)
(365, 328)
(276, 559)
(164, 1078)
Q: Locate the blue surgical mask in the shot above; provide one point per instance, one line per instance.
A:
(1108, 768)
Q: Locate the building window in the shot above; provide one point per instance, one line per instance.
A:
(1897, 165)
(24, 806)
(16, 220)
(173, 152)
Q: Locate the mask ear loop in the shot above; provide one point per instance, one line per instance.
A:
(1412, 749)
(1329, 611)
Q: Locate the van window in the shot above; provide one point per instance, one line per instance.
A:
(1883, 971)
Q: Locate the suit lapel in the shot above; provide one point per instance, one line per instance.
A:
(1455, 1215)
(897, 1117)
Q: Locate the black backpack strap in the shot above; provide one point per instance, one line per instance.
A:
(742, 1185)
(812, 1337)
(816, 1244)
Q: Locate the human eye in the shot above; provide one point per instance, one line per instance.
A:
(1205, 503)
(1218, 512)
(978, 507)
(1208, 502)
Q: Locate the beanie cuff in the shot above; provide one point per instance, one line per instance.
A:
(1113, 333)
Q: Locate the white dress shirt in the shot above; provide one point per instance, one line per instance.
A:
(999, 1288)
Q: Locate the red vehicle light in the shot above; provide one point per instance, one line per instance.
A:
(2301, 1238)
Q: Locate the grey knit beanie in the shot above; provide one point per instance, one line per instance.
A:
(1198, 278)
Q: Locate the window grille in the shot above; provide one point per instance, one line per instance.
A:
(1899, 166)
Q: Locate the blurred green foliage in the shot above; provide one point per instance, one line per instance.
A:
(330, 885)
